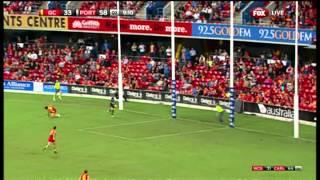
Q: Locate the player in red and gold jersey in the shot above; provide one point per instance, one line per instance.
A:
(52, 111)
(84, 175)
(52, 140)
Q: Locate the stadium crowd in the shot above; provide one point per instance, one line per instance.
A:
(307, 14)
(21, 7)
(124, 5)
(207, 11)
(28, 7)
(219, 12)
(190, 11)
(148, 66)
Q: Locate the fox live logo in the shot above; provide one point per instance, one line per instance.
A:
(261, 12)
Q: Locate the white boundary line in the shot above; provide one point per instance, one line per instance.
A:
(110, 135)
(150, 137)
(155, 137)
(122, 124)
(143, 122)
(264, 132)
(182, 133)
(140, 112)
(239, 128)
(190, 120)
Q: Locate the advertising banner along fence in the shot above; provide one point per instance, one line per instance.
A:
(92, 24)
(18, 85)
(254, 33)
(48, 87)
(155, 27)
(34, 22)
(261, 34)
(210, 31)
(278, 111)
(130, 26)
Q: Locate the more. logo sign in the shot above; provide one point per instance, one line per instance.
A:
(176, 29)
(259, 12)
(140, 27)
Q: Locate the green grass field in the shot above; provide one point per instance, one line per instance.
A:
(143, 142)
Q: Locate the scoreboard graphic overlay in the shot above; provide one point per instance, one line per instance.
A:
(276, 168)
(80, 12)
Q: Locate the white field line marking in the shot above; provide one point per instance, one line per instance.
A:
(138, 112)
(155, 137)
(102, 134)
(263, 132)
(122, 124)
(182, 133)
(191, 120)
(200, 122)
(239, 128)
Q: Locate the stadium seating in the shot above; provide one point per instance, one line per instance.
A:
(93, 5)
(307, 16)
(264, 83)
(124, 5)
(21, 7)
(218, 12)
(207, 11)
(154, 9)
(53, 5)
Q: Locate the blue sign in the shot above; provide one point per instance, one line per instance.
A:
(254, 33)
(50, 88)
(18, 85)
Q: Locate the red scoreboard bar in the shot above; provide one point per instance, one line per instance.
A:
(80, 12)
(56, 12)
(48, 12)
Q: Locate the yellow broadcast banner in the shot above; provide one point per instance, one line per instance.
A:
(35, 22)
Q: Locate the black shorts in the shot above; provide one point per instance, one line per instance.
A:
(57, 90)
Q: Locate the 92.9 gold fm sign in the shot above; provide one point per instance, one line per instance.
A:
(33, 22)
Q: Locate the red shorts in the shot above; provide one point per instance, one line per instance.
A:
(51, 140)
